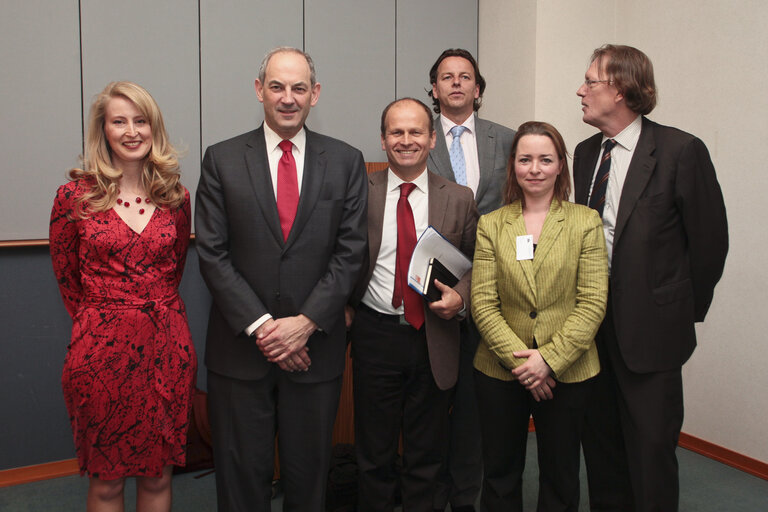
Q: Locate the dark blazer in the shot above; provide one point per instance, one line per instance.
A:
(251, 271)
(669, 246)
(453, 213)
(494, 145)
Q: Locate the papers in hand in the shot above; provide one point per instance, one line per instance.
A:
(433, 246)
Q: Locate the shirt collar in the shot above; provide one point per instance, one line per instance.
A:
(447, 124)
(628, 137)
(394, 182)
(273, 139)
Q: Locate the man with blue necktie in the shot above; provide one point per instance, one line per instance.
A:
(472, 152)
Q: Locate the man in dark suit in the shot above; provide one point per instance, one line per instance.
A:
(406, 351)
(477, 158)
(667, 237)
(281, 236)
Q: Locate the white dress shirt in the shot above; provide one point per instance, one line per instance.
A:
(274, 153)
(621, 156)
(378, 296)
(468, 141)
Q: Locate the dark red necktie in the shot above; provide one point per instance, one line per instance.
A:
(287, 188)
(406, 241)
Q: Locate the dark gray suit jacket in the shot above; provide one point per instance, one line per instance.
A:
(453, 213)
(251, 271)
(669, 245)
(494, 145)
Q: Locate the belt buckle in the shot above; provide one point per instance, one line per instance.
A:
(402, 321)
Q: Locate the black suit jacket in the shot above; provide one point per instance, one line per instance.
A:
(669, 246)
(251, 271)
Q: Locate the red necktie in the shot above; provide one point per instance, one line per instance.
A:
(406, 241)
(287, 188)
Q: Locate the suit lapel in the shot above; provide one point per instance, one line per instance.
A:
(377, 198)
(639, 172)
(486, 144)
(514, 227)
(553, 225)
(311, 184)
(439, 161)
(438, 203)
(257, 163)
(584, 164)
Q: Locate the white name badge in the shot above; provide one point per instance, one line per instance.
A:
(525, 247)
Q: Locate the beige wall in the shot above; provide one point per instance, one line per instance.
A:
(711, 63)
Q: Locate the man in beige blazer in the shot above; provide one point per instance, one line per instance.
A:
(406, 355)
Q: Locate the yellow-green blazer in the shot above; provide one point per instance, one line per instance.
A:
(558, 298)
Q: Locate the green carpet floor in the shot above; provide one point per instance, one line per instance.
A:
(706, 486)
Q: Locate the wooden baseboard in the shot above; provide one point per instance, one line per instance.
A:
(45, 471)
(741, 462)
(747, 464)
(736, 460)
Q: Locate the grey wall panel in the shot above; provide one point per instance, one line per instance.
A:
(424, 29)
(201, 72)
(156, 45)
(234, 37)
(352, 44)
(40, 136)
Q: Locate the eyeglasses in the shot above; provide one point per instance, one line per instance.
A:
(591, 83)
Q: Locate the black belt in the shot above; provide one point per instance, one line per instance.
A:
(383, 317)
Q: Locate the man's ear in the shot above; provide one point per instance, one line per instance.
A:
(259, 89)
(315, 95)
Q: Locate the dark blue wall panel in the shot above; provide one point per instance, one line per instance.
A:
(34, 333)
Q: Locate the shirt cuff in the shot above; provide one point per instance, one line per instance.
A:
(258, 323)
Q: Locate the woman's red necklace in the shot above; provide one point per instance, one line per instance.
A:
(138, 200)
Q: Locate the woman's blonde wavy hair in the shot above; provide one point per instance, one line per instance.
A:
(100, 178)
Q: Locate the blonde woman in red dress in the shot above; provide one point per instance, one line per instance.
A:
(118, 235)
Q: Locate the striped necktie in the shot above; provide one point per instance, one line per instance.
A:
(599, 189)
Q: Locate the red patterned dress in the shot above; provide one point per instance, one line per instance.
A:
(130, 368)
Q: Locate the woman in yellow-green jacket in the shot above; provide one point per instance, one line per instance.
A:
(539, 288)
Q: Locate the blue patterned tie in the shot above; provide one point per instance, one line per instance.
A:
(457, 156)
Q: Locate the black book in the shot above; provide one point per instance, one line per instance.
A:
(437, 270)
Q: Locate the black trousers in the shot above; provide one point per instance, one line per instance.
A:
(394, 392)
(633, 436)
(245, 416)
(605, 455)
(460, 482)
(505, 407)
